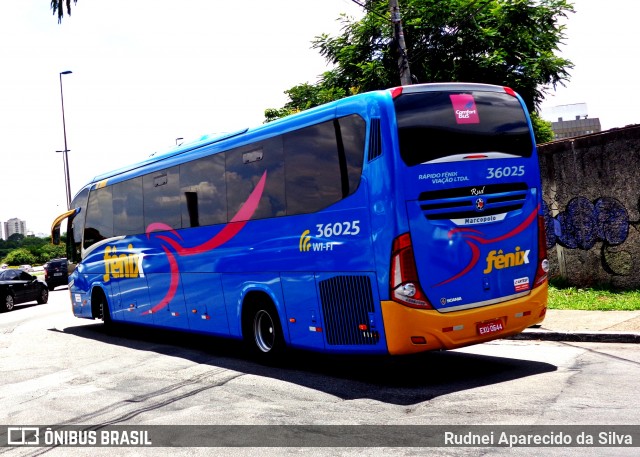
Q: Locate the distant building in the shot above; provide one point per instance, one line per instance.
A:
(14, 226)
(569, 121)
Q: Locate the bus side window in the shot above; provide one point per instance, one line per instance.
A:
(162, 198)
(127, 207)
(353, 129)
(313, 172)
(244, 168)
(99, 223)
(203, 192)
(75, 227)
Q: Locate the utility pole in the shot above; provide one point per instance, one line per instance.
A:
(398, 35)
(66, 149)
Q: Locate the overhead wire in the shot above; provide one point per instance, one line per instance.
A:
(367, 8)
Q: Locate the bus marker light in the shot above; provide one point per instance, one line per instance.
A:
(363, 327)
(174, 314)
(206, 317)
(418, 340)
(315, 329)
(455, 328)
(194, 311)
(476, 156)
(292, 320)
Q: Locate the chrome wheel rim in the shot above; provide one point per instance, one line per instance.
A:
(264, 331)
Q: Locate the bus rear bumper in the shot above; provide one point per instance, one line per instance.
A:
(410, 330)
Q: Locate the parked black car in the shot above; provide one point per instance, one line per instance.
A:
(56, 273)
(18, 286)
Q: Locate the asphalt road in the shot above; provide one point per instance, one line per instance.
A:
(61, 371)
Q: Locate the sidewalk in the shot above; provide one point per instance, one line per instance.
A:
(586, 326)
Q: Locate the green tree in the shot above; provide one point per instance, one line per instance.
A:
(16, 239)
(19, 257)
(542, 129)
(50, 251)
(57, 6)
(504, 42)
(305, 96)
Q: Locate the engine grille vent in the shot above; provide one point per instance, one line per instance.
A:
(347, 302)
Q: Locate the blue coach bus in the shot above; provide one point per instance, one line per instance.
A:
(389, 222)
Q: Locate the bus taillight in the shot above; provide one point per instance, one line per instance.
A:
(543, 263)
(405, 287)
(396, 92)
(510, 91)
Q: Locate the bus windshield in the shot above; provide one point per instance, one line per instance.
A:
(434, 125)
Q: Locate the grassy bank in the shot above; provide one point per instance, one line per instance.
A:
(564, 297)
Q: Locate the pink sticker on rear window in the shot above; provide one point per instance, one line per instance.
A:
(465, 110)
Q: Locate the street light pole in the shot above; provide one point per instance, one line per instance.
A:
(66, 149)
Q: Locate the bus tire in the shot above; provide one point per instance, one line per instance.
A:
(262, 331)
(99, 301)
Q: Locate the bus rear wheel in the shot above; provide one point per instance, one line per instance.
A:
(263, 333)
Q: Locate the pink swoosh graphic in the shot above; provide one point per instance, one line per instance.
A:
(237, 223)
(173, 285)
(475, 256)
(468, 234)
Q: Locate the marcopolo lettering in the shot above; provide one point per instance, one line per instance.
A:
(499, 260)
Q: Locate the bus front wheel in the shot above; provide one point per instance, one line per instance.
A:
(101, 307)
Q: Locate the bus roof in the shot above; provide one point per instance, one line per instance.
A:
(288, 123)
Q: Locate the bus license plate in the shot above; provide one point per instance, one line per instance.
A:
(490, 327)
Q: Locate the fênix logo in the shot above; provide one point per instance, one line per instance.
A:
(126, 265)
(500, 260)
(305, 241)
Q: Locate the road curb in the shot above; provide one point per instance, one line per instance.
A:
(579, 337)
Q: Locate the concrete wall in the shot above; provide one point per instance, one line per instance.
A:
(591, 192)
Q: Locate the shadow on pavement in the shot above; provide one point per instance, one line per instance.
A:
(401, 380)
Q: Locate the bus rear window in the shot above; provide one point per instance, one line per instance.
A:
(433, 125)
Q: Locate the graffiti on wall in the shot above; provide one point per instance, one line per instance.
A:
(585, 223)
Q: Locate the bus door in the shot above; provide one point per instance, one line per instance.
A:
(472, 192)
(167, 300)
(124, 280)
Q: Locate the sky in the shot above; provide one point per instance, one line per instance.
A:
(153, 71)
